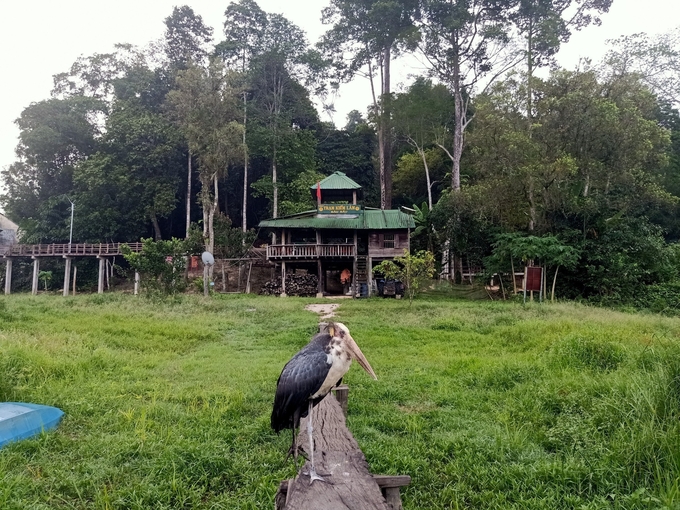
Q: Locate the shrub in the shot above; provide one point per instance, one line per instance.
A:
(160, 265)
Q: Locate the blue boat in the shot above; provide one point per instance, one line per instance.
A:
(20, 421)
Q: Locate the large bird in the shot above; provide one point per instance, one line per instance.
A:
(309, 376)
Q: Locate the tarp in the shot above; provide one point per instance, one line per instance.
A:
(19, 420)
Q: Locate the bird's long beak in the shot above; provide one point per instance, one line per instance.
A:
(359, 356)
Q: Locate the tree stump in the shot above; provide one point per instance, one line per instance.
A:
(337, 454)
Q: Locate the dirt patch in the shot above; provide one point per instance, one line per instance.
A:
(326, 309)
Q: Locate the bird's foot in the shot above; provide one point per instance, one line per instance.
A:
(295, 452)
(313, 475)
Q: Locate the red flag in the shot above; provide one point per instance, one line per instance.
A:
(318, 191)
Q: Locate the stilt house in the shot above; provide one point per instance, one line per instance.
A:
(340, 236)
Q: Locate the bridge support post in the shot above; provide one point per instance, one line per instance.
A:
(136, 291)
(8, 276)
(283, 279)
(100, 281)
(67, 275)
(36, 272)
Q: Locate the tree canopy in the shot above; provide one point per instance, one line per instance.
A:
(199, 128)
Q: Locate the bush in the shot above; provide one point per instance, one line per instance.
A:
(160, 265)
(411, 270)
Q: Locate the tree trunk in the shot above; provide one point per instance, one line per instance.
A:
(276, 189)
(512, 268)
(457, 128)
(387, 126)
(188, 194)
(532, 206)
(427, 178)
(156, 227)
(530, 70)
(381, 155)
(245, 165)
(552, 294)
(211, 218)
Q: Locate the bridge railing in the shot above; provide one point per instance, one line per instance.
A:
(68, 250)
(307, 251)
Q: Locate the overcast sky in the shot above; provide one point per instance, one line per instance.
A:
(40, 38)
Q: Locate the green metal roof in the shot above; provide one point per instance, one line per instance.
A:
(370, 219)
(337, 180)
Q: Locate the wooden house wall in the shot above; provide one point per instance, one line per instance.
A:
(377, 243)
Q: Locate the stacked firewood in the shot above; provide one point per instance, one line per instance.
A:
(296, 285)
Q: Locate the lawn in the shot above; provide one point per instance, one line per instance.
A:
(485, 405)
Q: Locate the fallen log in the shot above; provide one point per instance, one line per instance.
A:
(338, 458)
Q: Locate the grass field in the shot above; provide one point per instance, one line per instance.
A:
(485, 405)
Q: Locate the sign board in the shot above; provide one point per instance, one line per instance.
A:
(534, 279)
(338, 209)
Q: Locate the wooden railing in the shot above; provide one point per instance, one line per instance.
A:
(68, 250)
(309, 251)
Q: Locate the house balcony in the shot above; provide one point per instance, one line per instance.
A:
(309, 251)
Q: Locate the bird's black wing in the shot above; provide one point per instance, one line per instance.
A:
(302, 376)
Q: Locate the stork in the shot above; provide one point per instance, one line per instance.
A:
(309, 376)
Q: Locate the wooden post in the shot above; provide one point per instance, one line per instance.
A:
(136, 291)
(355, 280)
(100, 281)
(8, 276)
(337, 454)
(283, 278)
(319, 288)
(206, 278)
(354, 197)
(36, 271)
(67, 275)
(342, 396)
(250, 269)
(389, 485)
(369, 274)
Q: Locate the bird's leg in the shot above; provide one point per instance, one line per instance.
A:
(293, 450)
(310, 429)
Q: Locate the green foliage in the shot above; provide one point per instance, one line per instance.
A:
(625, 255)
(160, 264)
(424, 231)
(294, 196)
(412, 270)
(45, 277)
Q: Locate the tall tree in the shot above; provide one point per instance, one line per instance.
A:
(465, 41)
(421, 115)
(206, 105)
(366, 36)
(244, 30)
(546, 24)
(276, 75)
(186, 38)
(55, 136)
(656, 60)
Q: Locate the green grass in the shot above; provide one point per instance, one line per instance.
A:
(485, 405)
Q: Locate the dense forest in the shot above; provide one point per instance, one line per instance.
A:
(502, 156)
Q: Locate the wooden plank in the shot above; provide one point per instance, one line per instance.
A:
(390, 481)
(389, 485)
(336, 454)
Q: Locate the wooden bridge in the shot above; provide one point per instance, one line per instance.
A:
(66, 251)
